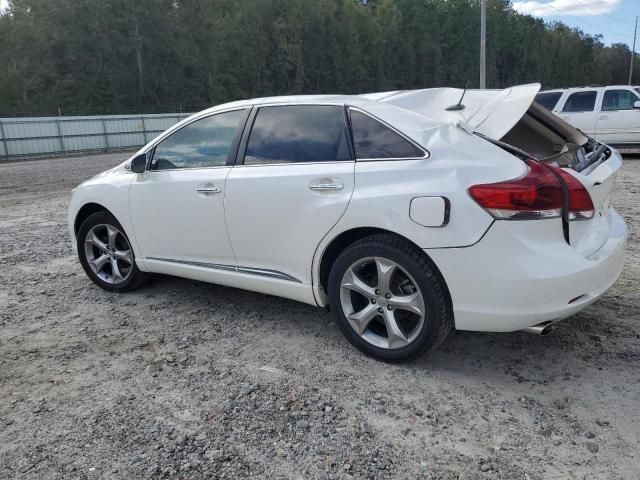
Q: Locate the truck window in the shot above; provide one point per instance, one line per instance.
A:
(580, 102)
(618, 100)
(548, 100)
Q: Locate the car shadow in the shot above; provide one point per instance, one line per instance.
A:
(524, 357)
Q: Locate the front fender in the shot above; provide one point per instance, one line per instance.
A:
(109, 190)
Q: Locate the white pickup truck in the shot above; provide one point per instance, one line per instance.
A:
(609, 114)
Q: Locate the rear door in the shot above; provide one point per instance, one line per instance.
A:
(579, 109)
(618, 120)
(292, 182)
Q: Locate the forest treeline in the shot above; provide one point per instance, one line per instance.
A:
(110, 56)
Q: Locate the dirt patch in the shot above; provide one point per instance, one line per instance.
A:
(185, 379)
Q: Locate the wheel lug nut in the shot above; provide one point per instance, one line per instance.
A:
(380, 310)
(377, 292)
(387, 295)
(373, 300)
(389, 307)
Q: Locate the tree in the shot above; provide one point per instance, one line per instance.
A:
(110, 56)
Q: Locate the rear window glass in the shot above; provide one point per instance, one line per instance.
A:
(298, 133)
(548, 100)
(580, 102)
(372, 139)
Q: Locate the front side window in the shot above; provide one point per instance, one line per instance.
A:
(548, 100)
(200, 144)
(373, 140)
(298, 133)
(618, 100)
(580, 102)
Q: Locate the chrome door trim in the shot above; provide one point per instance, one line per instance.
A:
(268, 273)
(216, 266)
(262, 272)
(290, 164)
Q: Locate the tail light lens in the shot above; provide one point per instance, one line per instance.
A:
(536, 195)
(580, 203)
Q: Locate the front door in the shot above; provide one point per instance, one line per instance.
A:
(618, 120)
(293, 182)
(177, 206)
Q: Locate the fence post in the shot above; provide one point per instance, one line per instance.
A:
(4, 142)
(106, 135)
(144, 131)
(60, 136)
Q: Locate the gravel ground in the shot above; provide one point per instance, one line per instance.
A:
(187, 380)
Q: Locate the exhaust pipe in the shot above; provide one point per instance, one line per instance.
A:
(542, 329)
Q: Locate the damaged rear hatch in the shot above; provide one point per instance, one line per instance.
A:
(512, 120)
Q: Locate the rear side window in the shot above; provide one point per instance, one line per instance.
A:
(373, 140)
(618, 100)
(548, 100)
(298, 133)
(203, 143)
(580, 102)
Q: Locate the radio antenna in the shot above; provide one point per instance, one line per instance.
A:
(459, 105)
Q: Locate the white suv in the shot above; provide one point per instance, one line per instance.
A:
(608, 114)
(408, 213)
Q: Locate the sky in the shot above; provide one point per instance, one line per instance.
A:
(614, 19)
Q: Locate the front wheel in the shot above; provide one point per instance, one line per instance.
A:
(388, 298)
(106, 254)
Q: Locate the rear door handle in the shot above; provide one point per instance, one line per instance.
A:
(209, 189)
(603, 117)
(326, 186)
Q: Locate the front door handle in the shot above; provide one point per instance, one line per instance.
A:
(326, 186)
(603, 117)
(209, 189)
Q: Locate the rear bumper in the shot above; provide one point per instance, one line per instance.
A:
(514, 277)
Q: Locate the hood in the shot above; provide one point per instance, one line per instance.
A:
(489, 112)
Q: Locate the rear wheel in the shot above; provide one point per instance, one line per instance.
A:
(106, 254)
(388, 299)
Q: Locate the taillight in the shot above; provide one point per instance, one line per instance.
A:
(536, 195)
(580, 204)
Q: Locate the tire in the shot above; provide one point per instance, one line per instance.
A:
(357, 290)
(102, 243)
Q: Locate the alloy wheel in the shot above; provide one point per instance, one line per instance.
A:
(382, 302)
(108, 253)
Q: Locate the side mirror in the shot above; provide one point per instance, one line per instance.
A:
(636, 104)
(139, 163)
